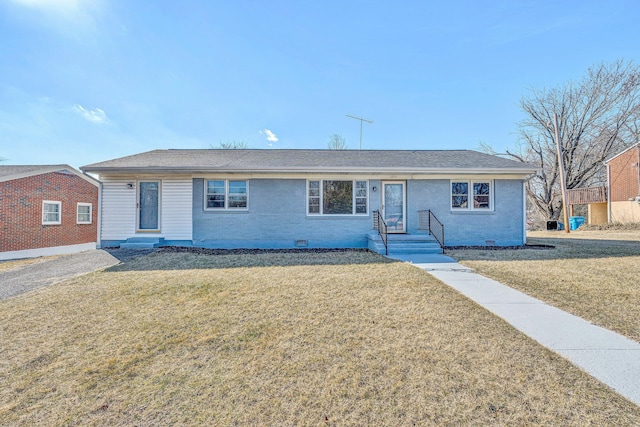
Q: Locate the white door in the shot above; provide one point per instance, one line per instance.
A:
(393, 206)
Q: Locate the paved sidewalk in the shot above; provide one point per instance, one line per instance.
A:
(610, 357)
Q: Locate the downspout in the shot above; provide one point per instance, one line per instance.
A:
(99, 231)
(608, 194)
(524, 212)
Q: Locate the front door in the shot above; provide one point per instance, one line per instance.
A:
(393, 206)
(148, 205)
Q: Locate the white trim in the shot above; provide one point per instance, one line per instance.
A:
(353, 198)
(226, 195)
(470, 195)
(55, 250)
(138, 208)
(636, 145)
(78, 213)
(52, 202)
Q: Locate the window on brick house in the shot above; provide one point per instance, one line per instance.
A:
(51, 212)
(84, 213)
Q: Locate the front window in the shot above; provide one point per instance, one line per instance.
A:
(471, 195)
(51, 212)
(84, 213)
(337, 197)
(226, 194)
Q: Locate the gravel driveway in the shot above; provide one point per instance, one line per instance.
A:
(56, 269)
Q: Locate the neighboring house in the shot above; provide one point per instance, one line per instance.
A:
(619, 200)
(46, 210)
(623, 176)
(310, 198)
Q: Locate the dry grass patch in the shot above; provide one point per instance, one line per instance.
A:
(330, 339)
(19, 263)
(593, 274)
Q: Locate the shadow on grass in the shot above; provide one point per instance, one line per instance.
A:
(182, 258)
(547, 248)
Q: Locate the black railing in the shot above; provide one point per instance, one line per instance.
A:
(381, 226)
(428, 221)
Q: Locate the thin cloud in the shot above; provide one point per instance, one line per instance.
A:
(271, 137)
(96, 115)
(61, 14)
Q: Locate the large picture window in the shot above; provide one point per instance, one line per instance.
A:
(51, 212)
(471, 195)
(337, 197)
(226, 194)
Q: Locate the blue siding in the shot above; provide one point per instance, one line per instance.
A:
(504, 224)
(277, 218)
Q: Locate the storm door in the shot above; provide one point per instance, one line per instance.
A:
(393, 206)
(148, 205)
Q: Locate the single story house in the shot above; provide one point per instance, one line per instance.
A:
(220, 198)
(46, 210)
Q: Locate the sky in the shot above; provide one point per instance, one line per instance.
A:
(83, 81)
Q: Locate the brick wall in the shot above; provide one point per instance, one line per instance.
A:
(624, 176)
(21, 225)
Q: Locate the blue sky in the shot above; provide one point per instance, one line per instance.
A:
(83, 81)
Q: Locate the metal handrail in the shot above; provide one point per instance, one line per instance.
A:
(381, 226)
(433, 225)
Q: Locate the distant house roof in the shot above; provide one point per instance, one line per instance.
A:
(11, 172)
(636, 145)
(318, 161)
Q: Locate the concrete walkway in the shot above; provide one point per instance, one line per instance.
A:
(606, 355)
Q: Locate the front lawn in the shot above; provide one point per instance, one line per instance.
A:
(279, 339)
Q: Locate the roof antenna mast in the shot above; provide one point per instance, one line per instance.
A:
(361, 120)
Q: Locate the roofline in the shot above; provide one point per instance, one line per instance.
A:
(49, 169)
(350, 170)
(636, 145)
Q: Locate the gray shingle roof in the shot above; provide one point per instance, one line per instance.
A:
(10, 172)
(218, 160)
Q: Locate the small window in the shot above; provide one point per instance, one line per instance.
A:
(335, 197)
(84, 213)
(51, 212)
(479, 199)
(226, 194)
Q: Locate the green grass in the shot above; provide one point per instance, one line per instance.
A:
(305, 339)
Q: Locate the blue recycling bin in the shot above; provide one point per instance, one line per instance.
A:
(575, 222)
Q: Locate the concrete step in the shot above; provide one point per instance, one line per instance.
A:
(142, 243)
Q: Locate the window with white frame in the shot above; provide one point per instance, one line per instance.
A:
(471, 195)
(223, 194)
(337, 197)
(51, 212)
(84, 213)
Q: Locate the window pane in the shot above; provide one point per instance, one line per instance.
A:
(337, 197)
(215, 194)
(50, 212)
(481, 202)
(459, 202)
(459, 188)
(237, 194)
(481, 188)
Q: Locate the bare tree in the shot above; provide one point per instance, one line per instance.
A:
(232, 145)
(337, 142)
(597, 117)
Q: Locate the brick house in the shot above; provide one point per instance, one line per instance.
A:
(619, 200)
(623, 176)
(46, 210)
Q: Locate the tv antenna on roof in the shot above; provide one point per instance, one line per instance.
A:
(361, 120)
